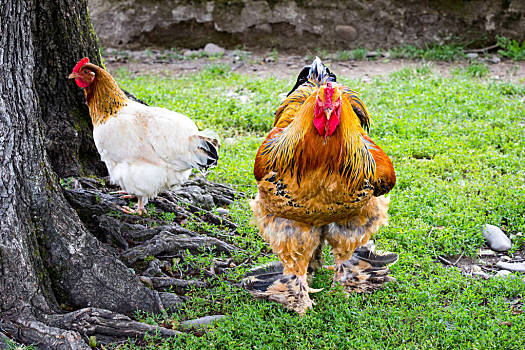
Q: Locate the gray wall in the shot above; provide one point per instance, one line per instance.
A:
(288, 24)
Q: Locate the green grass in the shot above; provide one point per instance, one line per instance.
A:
(511, 49)
(355, 54)
(458, 147)
(430, 52)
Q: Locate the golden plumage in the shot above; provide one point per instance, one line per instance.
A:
(318, 180)
(104, 97)
(315, 187)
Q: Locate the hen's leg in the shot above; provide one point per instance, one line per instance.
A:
(368, 271)
(123, 194)
(140, 209)
(294, 244)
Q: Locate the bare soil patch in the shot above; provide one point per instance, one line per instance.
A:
(287, 66)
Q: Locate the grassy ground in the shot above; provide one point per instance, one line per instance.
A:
(458, 146)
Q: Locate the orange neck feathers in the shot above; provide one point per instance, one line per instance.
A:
(104, 97)
(300, 148)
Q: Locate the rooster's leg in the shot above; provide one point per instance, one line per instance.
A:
(364, 271)
(294, 243)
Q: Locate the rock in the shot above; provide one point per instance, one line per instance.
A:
(189, 53)
(346, 33)
(201, 322)
(516, 267)
(372, 54)
(496, 239)
(481, 274)
(269, 59)
(229, 141)
(110, 51)
(502, 274)
(487, 252)
(472, 55)
(211, 49)
(476, 268)
(495, 59)
(243, 99)
(222, 211)
(265, 27)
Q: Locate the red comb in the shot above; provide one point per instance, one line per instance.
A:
(80, 64)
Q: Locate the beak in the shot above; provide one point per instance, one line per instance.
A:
(73, 76)
(328, 113)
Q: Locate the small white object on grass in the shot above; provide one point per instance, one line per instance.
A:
(496, 239)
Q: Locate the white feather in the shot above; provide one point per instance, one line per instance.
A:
(148, 150)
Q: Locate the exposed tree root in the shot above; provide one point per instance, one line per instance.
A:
(147, 244)
(106, 325)
(175, 245)
(30, 331)
(72, 330)
(176, 284)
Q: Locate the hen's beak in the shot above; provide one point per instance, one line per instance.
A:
(328, 113)
(73, 76)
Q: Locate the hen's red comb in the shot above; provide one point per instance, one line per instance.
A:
(80, 64)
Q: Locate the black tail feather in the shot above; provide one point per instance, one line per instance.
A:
(317, 71)
(212, 154)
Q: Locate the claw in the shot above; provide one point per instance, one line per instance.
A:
(118, 192)
(124, 194)
(128, 210)
(359, 276)
(314, 290)
(287, 290)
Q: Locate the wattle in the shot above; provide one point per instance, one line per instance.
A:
(81, 83)
(324, 125)
(319, 125)
(332, 124)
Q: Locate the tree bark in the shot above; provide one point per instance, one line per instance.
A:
(48, 259)
(62, 34)
(72, 265)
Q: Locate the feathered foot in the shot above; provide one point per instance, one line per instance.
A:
(273, 268)
(140, 209)
(289, 290)
(366, 271)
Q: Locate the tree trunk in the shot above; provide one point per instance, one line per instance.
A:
(69, 267)
(62, 34)
(48, 259)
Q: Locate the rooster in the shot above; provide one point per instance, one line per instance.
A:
(146, 149)
(320, 178)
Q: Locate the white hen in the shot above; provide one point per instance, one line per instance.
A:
(146, 149)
